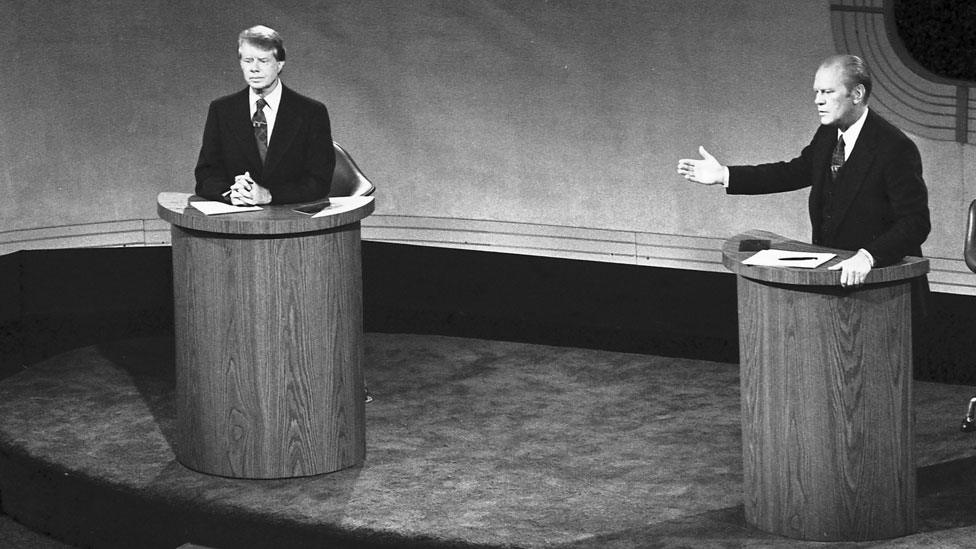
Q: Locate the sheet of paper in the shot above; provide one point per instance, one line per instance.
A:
(210, 207)
(787, 258)
(341, 204)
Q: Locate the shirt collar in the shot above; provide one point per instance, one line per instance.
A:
(850, 136)
(273, 98)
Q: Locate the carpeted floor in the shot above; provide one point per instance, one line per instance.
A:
(469, 443)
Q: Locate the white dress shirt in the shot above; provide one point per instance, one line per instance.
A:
(850, 136)
(271, 109)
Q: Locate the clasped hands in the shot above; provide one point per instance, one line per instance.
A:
(709, 171)
(245, 192)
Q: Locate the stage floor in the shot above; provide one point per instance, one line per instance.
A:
(470, 443)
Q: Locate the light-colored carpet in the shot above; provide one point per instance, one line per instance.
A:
(471, 442)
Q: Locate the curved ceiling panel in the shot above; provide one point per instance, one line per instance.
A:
(920, 102)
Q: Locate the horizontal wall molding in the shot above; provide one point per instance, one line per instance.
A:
(130, 232)
(948, 275)
(629, 247)
(698, 253)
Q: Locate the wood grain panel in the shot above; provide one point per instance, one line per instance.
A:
(827, 422)
(269, 335)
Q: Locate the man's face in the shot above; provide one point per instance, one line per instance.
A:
(836, 104)
(260, 67)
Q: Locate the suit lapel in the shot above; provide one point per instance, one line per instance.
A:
(820, 158)
(242, 128)
(852, 176)
(287, 123)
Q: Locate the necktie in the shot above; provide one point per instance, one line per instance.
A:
(260, 128)
(837, 159)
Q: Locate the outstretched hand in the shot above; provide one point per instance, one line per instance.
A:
(707, 171)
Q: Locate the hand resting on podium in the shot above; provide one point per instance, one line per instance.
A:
(854, 269)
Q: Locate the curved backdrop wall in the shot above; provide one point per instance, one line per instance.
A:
(548, 128)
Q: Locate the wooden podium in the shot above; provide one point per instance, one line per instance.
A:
(269, 338)
(826, 381)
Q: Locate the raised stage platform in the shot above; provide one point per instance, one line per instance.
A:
(470, 443)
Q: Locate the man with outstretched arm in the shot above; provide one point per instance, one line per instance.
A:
(865, 175)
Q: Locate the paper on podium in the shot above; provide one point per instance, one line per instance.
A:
(339, 204)
(210, 207)
(788, 258)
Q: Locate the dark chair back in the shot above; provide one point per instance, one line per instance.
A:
(970, 252)
(969, 422)
(348, 179)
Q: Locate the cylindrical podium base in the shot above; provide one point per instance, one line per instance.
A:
(827, 422)
(269, 343)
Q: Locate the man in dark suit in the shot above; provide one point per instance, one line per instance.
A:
(266, 143)
(867, 192)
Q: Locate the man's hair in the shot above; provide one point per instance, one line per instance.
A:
(855, 71)
(264, 38)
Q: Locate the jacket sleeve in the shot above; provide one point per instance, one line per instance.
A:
(907, 199)
(314, 178)
(774, 177)
(212, 179)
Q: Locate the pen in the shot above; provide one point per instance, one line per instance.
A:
(799, 258)
(227, 193)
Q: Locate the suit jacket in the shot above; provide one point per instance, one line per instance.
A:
(879, 201)
(299, 161)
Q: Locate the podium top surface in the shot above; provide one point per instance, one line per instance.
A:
(907, 268)
(270, 220)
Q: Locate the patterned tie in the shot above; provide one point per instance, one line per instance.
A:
(837, 159)
(260, 128)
